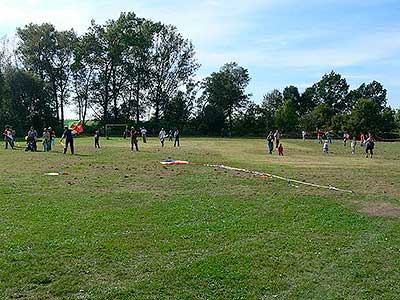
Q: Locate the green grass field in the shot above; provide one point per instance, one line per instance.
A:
(122, 226)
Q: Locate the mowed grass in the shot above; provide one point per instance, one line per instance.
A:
(122, 226)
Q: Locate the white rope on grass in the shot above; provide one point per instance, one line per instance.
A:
(261, 174)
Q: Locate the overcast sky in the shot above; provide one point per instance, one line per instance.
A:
(281, 42)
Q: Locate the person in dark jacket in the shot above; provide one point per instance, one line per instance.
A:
(134, 140)
(69, 140)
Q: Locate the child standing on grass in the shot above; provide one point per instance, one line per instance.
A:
(325, 147)
(353, 146)
(280, 150)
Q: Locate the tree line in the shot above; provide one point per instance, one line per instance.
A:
(141, 72)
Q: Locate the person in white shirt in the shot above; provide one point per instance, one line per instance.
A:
(325, 147)
(143, 131)
(162, 135)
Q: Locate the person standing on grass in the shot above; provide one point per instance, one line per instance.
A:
(353, 145)
(270, 140)
(143, 131)
(362, 139)
(34, 137)
(46, 140)
(370, 145)
(280, 150)
(161, 136)
(277, 137)
(325, 147)
(303, 134)
(328, 135)
(52, 138)
(176, 137)
(346, 137)
(170, 135)
(97, 139)
(319, 136)
(69, 140)
(8, 138)
(134, 140)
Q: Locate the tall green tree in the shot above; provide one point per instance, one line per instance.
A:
(332, 90)
(227, 89)
(173, 65)
(49, 53)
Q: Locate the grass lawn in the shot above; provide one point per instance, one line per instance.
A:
(122, 226)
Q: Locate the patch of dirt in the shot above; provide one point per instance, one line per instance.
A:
(381, 209)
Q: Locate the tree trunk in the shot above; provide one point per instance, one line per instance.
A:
(137, 99)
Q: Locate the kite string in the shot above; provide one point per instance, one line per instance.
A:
(278, 177)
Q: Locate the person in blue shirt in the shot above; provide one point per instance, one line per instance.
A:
(69, 139)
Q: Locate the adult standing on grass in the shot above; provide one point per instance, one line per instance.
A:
(69, 140)
(277, 137)
(97, 139)
(303, 134)
(353, 145)
(161, 136)
(34, 137)
(362, 139)
(134, 141)
(328, 135)
(270, 141)
(370, 145)
(346, 136)
(176, 137)
(46, 140)
(52, 137)
(170, 135)
(8, 138)
(143, 131)
(319, 135)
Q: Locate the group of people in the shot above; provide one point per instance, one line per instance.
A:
(275, 137)
(365, 140)
(172, 135)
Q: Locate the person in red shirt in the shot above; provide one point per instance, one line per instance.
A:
(134, 140)
(280, 150)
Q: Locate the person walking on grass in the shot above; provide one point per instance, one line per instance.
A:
(161, 136)
(325, 147)
(134, 140)
(69, 140)
(277, 137)
(176, 138)
(97, 139)
(370, 145)
(270, 141)
(353, 145)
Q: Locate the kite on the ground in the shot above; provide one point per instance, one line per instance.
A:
(256, 173)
